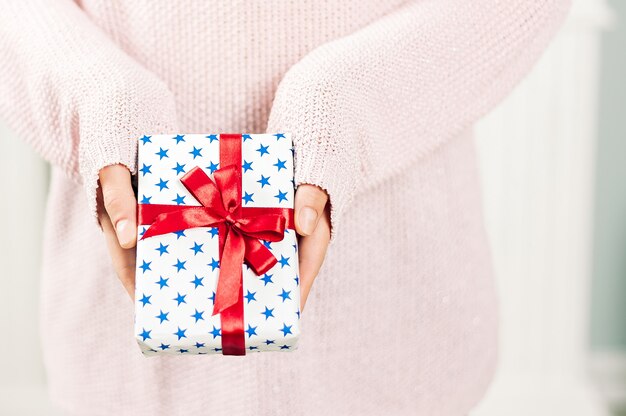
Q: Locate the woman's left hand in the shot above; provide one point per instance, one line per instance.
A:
(313, 226)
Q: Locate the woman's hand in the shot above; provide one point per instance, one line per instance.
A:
(118, 217)
(313, 225)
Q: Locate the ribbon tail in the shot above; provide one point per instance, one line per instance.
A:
(230, 276)
(258, 257)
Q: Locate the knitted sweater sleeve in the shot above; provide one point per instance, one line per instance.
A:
(367, 105)
(72, 93)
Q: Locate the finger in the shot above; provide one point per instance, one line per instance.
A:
(123, 259)
(312, 250)
(120, 203)
(309, 206)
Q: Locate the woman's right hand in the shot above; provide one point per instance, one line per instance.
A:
(117, 212)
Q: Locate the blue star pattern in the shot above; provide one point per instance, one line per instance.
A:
(180, 299)
(251, 330)
(145, 334)
(280, 164)
(267, 278)
(282, 196)
(197, 281)
(247, 198)
(177, 273)
(268, 313)
(180, 333)
(162, 316)
(162, 153)
(283, 261)
(179, 168)
(162, 249)
(215, 264)
(250, 296)
(180, 265)
(246, 166)
(285, 295)
(196, 152)
(145, 300)
(267, 168)
(263, 150)
(264, 181)
(162, 185)
(145, 266)
(179, 200)
(286, 329)
(197, 248)
(216, 332)
(145, 169)
(162, 282)
(213, 167)
(198, 315)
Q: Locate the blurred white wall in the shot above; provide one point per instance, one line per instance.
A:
(23, 186)
(609, 309)
(608, 323)
(537, 154)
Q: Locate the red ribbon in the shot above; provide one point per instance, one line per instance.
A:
(239, 231)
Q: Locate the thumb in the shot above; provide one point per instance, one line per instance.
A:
(309, 205)
(120, 203)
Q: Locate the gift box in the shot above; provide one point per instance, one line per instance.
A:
(217, 261)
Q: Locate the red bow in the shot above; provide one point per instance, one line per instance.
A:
(221, 207)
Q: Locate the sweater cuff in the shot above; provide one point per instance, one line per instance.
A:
(116, 120)
(318, 164)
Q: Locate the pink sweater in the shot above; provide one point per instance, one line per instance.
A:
(379, 96)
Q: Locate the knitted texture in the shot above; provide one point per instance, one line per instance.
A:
(379, 97)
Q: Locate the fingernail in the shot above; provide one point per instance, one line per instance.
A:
(124, 233)
(308, 219)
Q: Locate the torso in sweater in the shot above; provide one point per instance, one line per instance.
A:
(379, 96)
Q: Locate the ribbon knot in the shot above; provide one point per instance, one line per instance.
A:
(221, 207)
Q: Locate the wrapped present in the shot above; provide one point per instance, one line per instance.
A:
(217, 263)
